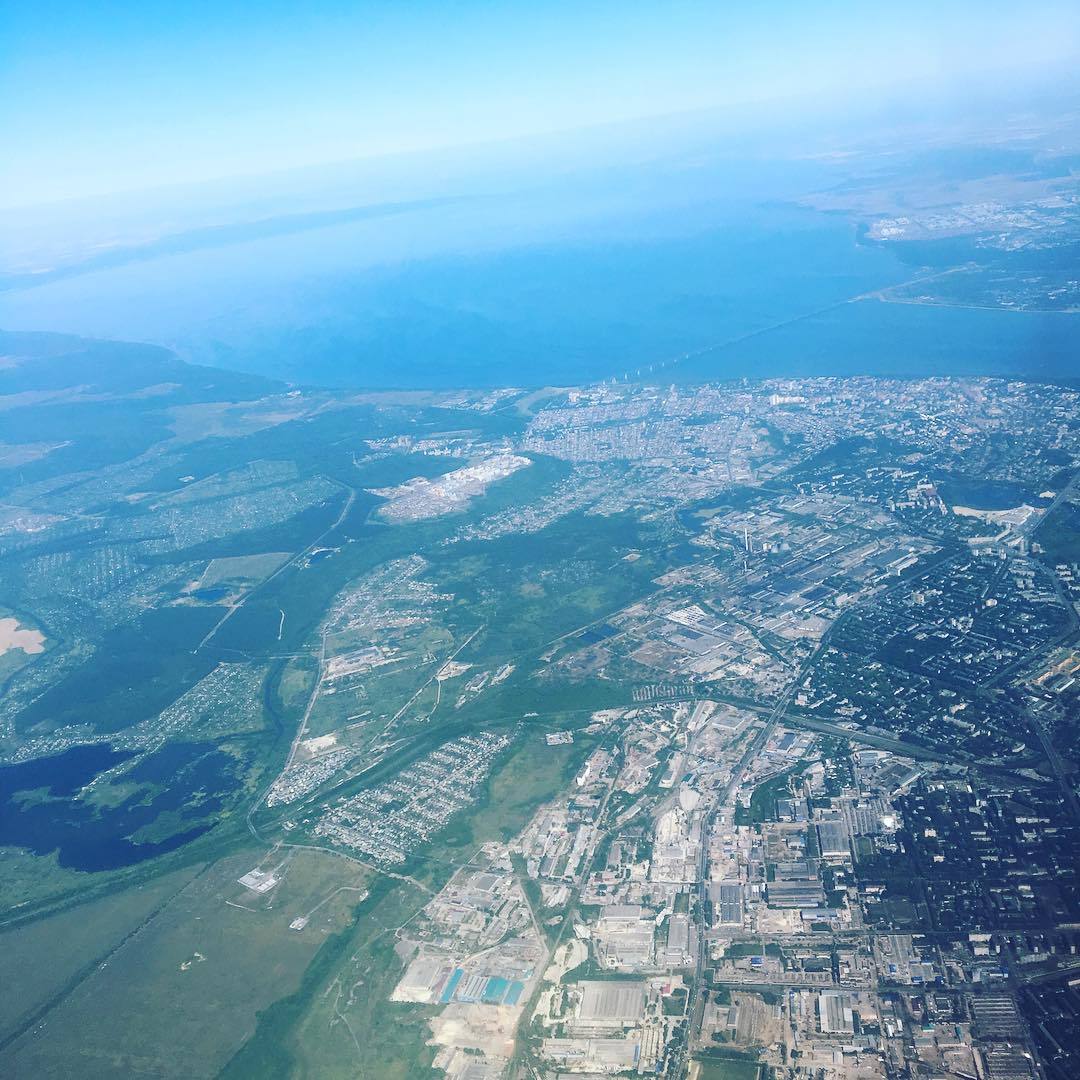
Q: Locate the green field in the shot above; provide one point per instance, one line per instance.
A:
(48, 956)
(733, 1068)
(187, 967)
(241, 569)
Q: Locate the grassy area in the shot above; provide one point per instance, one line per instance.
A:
(675, 1003)
(533, 773)
(340, 1023)
(763, 800)
(1059, 534)
(26, 879)
(241, 569)
(45, 957)
(181, 995)
(727, 1068)
(742, 949)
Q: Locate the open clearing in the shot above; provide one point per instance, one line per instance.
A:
(723, 1069)
(181, 995)
(44, 956)
(241, 569)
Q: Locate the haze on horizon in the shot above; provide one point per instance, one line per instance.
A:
(115, 98)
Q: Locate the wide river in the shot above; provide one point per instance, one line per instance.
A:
(444, 297)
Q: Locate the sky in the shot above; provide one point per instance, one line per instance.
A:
(99, 98)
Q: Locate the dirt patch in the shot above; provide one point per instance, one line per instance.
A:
(12, 636)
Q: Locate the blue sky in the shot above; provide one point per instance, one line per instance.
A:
(106, 97)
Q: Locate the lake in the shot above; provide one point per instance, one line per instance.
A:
(41, 811)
